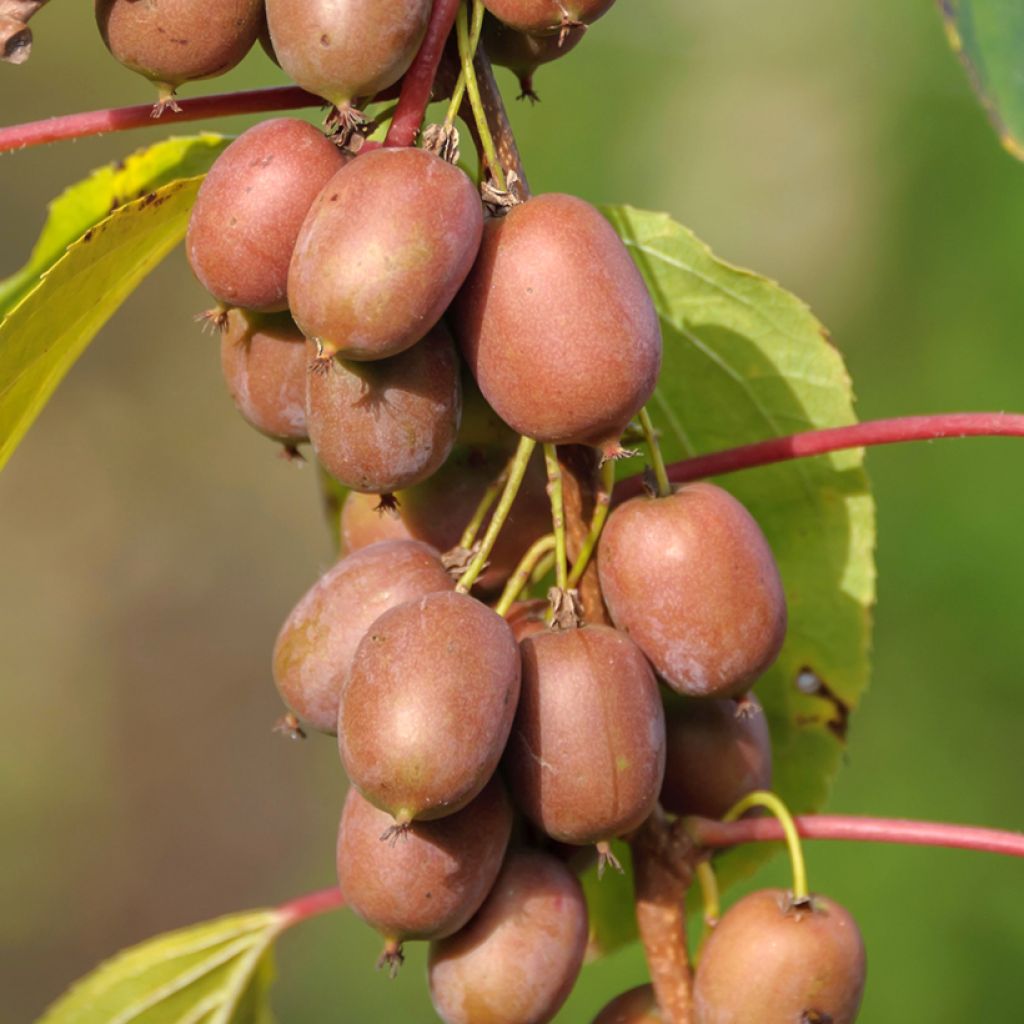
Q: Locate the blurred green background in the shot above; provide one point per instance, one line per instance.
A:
(152, 543)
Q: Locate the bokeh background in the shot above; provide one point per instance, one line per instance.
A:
(152, 544)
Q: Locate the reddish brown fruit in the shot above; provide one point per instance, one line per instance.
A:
(178, 41)
(383, 251)
(556, 324)
(587, 752)
(427, 706)
(429, 881)
(693, 581)
(518, 959)
(523, 53)
(365, 522)
(526, 618)
(378, 427)
(715, 753)
(637, 1006)
(341, 49)
(319, 638)
(264, 363)
(773, 963)
(547, 15)
(250, 207)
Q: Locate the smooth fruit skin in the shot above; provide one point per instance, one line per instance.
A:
(427, 706)
(341, 49)
(773, 965)
(693, 581)
(556, 324)
(383, 251)
(542, 16)
(714, 755)
(429, 881)
(318, 640)
(263, 359)
(176, 41)
(250, 207)
(378, 427)
(587, 752)
(522, 52)
(518, 959)
(637, 1006)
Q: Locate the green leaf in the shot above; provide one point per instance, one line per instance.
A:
(48, 329)
(745, 360)
(84, 204)
(988, 37)
(212, 973)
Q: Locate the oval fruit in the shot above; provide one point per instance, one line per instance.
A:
(693, 581)
(319, 638)
(263, 359)
(547, 15)
(341, 49)
(250, 207)
(637, 1006)
(556, 324)
(522, 53)
(427, 706)
(383, 251)
(178, 41)
(715, 753)
(518, 959)
(378, 427)
(587, 752)
(432, 879)
(773, 963)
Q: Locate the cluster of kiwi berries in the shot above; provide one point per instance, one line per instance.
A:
(370, 305)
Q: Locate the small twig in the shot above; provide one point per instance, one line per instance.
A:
(557, 515)
(657, 462)
(312, 904)
(523, 571)
(602, 501)
(472, 87)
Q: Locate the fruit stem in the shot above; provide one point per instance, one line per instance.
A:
(602, 501)
(771, 802)
(712, 834)
(834, 439)
(543, 567)
(709, 894)
(460, 84)
(479, 116)
(557, 515)
(516, 472)
(418, 81)
(312, 904)
(657, 461)
(490, 496)
(119, 119)
(521, 576)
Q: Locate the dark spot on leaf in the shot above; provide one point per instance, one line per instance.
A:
(838, 723)
(87, 237)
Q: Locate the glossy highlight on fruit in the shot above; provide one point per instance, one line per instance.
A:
(587, 752)
(637, 1006)
(318, 640)
(556, 324)
(427, 706)
(341, 49)
(429, 881)
(547, 15)
(517, 960)
(250, 207)
(693, 581)
(771, 962)
(263, 358)
(383, 251)
(175, 41)
(378, 427)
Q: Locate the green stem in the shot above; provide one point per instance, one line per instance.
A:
(544, 566)
(516, 472)
(660, 473)
(460, 85)
(524, 570)
(479, 115)
(557, 515)
(602, 502)
(490, 496)
(768, 800)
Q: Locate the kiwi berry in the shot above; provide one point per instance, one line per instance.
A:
(522, 52)
(545, 16)
(637, 1006)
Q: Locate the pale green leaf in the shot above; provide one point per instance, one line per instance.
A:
(988, 36)
(84, 204)
(745, 360)
(43, 335)
(212, 973)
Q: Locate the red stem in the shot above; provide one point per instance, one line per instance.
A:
(833, 439)
(419, 79)
(119, 119)
(311, 905)
(716, 834)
